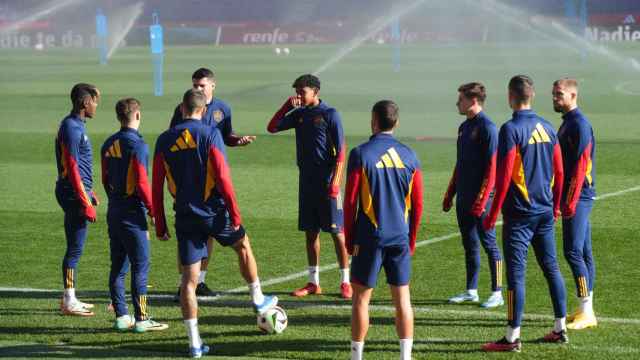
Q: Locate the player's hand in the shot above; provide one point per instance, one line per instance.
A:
(488, 223)
(89, 212)
(235, 227)
(334, 190)
(152, 221)
(164, 237)
(477, 212)
(295, 102)
(94, 199)
(568, 212)
(246, 140)
(446, 204)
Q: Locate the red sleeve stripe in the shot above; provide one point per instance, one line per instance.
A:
(487, 186)
(350, 206)
(74, 176)
(158, 194)
(224, 184)
(416, 208)
(503, 181)
(142, 185)
(277, 117)
(558, 177)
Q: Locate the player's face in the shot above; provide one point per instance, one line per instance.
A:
(205, 85)
(463, 104)
(90, 107)
(307, 96)
(562, 98)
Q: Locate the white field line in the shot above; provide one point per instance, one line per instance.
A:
(421, 243)
(220, 301)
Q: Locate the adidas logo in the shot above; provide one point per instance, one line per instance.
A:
(114, 150)
(390, 159)
(539, 135)
(184, 142)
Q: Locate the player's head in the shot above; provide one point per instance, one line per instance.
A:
(521, 91)
(128, 112)
(470, 95)
(565, 95)
(307, 88)
(84, 99)
(204, 80)
(193, 104)
(384, 116)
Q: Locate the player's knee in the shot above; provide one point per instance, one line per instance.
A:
(242, 245)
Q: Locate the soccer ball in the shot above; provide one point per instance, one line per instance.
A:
(277, 50)
(273, 321)
(286, 51)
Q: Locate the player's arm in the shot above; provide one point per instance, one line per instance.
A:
(104, 166)
(159, 173)
(218, 162)
(447, 201)
(139, 165)
(280, 121)
(230, 138)
(416, 209)
(583, 140)
(176, 118)
(489, 178)
(350, 203)
(340, 148)
(506, 158)
(70, 152)
(558, 179)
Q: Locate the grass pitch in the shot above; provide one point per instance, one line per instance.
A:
(34, 98)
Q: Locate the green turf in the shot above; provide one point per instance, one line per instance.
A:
(34, 97)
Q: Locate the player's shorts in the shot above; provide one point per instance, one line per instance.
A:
(316, 210)
(369, 259)
(193, 232)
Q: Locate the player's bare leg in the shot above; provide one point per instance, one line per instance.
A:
(359, 319)
(404, 319)
(313, 259)
(343, 263)
(249, 271)
(189, 305)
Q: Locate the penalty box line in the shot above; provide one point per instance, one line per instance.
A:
(421, 243)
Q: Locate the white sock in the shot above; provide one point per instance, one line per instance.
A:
(560, 324)
(344, 273)
(356, 350)
(193, 333)
(70, 295)
(496, 293)
(203, 275)
(512, 334)
(586, 305)
(314, 274)
(255, 290)
(405, 349)
(473, 292)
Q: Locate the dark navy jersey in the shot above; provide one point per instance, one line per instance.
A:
(218, 115)
(473, 179)
(578, 154)
(529, 176)
(191, 156)
(383, 200)
(320, 145)
(74, 160)
(125, 161)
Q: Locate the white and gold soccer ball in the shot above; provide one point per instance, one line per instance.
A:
(273, 321)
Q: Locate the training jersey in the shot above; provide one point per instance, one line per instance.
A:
(529, 175)
(125, 160)
(578, 155)
(383, 198)
(218, 115)
(473, 178)
(74, 159)
(192, 158)
(320, 144)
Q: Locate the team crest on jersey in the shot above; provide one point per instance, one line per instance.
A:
(474, 134)
(317, 120)
(217, 116)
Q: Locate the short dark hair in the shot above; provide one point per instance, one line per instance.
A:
(307, 80)
(567, 82)
(203, 73)
(521, 88)
(474, 90)
(192, 100)
(387, 114)
(125, 108)
(79, 92)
